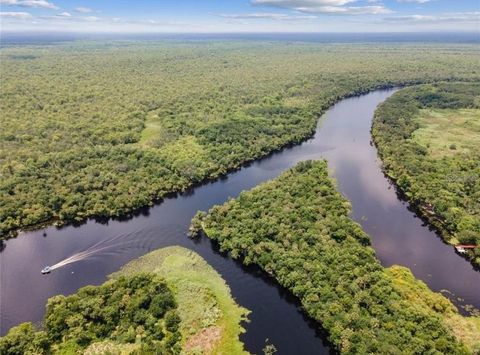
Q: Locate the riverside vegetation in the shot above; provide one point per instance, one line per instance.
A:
(120, 314)
(101, 129)
(428, 137)
(169, 301)
(297, 228)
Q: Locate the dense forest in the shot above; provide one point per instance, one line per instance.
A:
(169, 301)
(100, 129)
(118, 315)
(297, 228)
(428, 137)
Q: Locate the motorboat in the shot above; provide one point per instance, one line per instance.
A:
(46, 270)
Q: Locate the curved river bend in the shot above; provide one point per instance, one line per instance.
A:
(343, 138)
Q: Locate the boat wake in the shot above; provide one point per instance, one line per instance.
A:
(114, 245)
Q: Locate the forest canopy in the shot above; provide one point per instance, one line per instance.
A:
(428, 137)
(101, 129)
(297, 228)
(121, 314)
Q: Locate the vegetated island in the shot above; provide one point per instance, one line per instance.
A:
(297, 228)
(169, 301)
(428, 137)
(100, 129)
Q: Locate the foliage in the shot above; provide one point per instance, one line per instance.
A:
(160, 303)
(100, 129)
(455, 129)
(414, 131)
(203, 298)
(415, 292)
(137, 310)
(297, 228)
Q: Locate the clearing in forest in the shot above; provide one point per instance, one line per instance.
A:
(445, 132)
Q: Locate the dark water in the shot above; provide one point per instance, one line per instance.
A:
(343, 138)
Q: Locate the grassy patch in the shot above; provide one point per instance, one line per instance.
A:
(152, 130)
(210, 316)
(445, 132)
(414, 291)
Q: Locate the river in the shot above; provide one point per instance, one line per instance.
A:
(343, 138)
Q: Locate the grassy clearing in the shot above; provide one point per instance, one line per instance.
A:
(152, 129)
(210, 317)
(446, 132)
(414, 291)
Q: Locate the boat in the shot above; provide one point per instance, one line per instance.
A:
(462, 248)
(46, 270)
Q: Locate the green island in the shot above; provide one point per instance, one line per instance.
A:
(100, 129)
(428, 137)
(297, 228)
(169, 301)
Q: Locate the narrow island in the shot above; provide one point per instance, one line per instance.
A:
(297, 228)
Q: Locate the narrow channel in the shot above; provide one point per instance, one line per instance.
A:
(343, 138)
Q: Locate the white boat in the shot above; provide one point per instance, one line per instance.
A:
(46, 270)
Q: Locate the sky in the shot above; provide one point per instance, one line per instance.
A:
(216, 16)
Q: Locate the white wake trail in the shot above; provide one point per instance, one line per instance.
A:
(119, 244)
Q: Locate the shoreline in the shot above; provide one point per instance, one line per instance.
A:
(420, 208)
(155, 200)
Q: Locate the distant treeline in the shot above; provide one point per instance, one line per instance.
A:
(444, 185)
(297, 228)
(101, 129)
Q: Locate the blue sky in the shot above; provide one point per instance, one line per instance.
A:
(240, 15)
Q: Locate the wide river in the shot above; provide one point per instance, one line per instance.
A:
(343, 138)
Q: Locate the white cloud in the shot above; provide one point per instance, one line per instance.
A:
(91, 18)
(270, 16)
(16, 15)
(348, 10)
(336, 7)
(66, 16)
(473, 17)
(83, 10)
(30, 3)
(415, 1)
(292, 4)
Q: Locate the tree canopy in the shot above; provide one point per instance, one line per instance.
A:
(101, 129)
(297, 228)
(137, 310)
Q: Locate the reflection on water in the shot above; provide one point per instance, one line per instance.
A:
(398, 236)
(343, 138)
